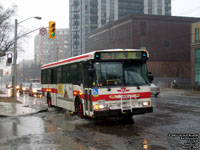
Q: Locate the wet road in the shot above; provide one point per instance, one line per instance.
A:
(175, 121)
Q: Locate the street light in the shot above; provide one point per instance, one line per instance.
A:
(14, 78)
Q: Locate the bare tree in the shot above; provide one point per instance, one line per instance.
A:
(6, 38)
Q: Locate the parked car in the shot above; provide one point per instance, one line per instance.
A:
(35, 89)
(154, 90)
(24, 87)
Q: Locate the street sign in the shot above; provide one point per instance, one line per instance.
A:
(43, 31)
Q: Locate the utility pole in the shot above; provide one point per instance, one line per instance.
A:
(14, 77)
(14, 74)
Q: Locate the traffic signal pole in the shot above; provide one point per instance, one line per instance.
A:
(14, 77)
(14, 74)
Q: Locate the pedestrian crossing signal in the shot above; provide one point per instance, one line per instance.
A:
(9, 58)
(52, 29)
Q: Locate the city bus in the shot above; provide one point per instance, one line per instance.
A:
(103, 83)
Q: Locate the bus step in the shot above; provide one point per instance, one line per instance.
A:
(126, 107)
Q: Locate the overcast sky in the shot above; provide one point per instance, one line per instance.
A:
(58, 10)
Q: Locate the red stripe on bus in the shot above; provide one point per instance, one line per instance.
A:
(113, 97)
(68, 60)
(75, 93)
(109, 97)
(51, 90)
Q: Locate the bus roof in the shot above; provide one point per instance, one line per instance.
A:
(85, 57)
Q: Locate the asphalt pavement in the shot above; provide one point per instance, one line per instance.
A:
(174, 125)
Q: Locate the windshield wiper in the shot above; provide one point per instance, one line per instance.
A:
(108, 87)
(138, 87)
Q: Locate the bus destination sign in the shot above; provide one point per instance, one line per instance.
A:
(120, 55)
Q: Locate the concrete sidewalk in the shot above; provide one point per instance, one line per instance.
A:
(15, 109)
(11, 108)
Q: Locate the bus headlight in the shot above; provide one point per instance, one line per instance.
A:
(98, 106)
(101, 106)
(34, 90)
(146, 103)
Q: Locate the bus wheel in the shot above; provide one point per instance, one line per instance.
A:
(80, 109)
(49, 100)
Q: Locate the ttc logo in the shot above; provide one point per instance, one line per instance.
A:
(123, 90)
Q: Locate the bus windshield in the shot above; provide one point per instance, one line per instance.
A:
(120, 74)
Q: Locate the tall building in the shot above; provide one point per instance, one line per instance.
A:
(50, 50)
(88, 15)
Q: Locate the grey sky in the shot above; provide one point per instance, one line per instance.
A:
(51, 10)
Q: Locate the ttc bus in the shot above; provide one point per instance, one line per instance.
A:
(101, 83)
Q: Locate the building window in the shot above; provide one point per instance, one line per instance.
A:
(197, 66)
(150, 6)
(197, 40)
(166, 44)
(142, 28)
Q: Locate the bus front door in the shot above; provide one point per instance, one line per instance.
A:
(54, 95)
(88, 100)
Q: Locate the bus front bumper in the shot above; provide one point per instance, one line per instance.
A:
(118, 112)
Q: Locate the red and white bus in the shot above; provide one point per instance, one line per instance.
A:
(100, 83)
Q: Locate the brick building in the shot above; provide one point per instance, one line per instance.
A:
(167, 38)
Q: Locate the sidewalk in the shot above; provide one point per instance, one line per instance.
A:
(10, 108)
(181, 92)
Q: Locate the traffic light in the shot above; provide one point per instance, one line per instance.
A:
(9, 58)
(52, 29)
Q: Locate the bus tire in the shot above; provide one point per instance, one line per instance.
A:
(49, 100)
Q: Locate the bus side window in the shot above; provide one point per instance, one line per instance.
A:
(48, 80)
(59, 75)
(85, 76)
(88, 79)
(53, 76)
(80, 73)
(65, 74)
(73, 74)
(44, 76)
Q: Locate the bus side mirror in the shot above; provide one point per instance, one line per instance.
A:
(150, 75)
